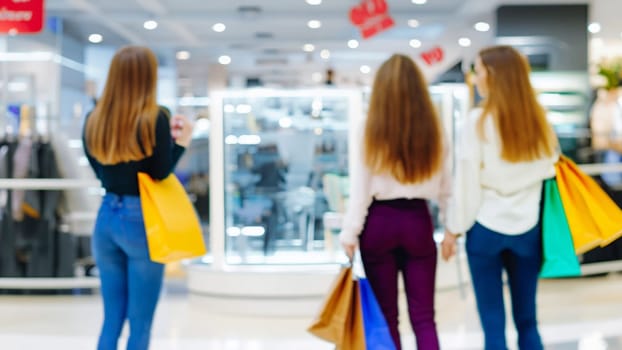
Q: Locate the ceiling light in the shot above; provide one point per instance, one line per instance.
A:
(182, 55)
(314, 2)
(314, 24)
(353, 44)
(325, 54)
(317, 77)
(419, 2)
(96, 38)
(594, 27)
(464, 42)
(413, 23)
(365, 69)
(308, 47)
(150, 24)
(415, 43)
(224, 59)
(482, 26)
(219, 27)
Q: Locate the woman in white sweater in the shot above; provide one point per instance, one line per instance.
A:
(506, 149)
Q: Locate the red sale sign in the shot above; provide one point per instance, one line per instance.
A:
(433, 56)
(21, 16)
(372, 17)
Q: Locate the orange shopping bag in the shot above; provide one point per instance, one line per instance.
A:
(340, 320)
(594, 218)
(172, 226)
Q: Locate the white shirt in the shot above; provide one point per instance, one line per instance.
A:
(365, 187)
(503, 196)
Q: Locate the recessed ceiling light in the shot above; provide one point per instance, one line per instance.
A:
(353, 44)
(482, 26)
(365, 69)
(415, 43)
(314, 2)
(325, 54)
(224, 59)
(594, 27)
(182, 55)
(419, 2)
(413, 23)
(219, 27)
(464, 42)
(96, 38)
(150, 24)
(314, 24)
(308, 47)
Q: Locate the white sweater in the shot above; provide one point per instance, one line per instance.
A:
(503, 196)
(365, 187)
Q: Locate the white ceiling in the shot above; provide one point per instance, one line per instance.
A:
(186, 25)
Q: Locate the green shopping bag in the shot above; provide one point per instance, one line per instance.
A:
(559, 255)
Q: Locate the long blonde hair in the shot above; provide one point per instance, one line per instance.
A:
(403, 134)
(127, 111)
(520, 120)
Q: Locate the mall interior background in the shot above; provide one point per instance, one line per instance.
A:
(274, 87)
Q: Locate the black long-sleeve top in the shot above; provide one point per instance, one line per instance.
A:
(122, 178)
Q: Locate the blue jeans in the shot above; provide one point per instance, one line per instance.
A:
(489, 253)
(130, 281)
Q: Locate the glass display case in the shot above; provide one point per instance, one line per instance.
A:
(273, 153)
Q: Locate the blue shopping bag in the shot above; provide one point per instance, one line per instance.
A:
(377, 334)
(559, 258)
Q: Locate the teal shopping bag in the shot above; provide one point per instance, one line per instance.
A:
(559, 258)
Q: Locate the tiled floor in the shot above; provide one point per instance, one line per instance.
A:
(584, 314)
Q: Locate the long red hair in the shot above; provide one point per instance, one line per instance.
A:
(403, 133)
(518, 116)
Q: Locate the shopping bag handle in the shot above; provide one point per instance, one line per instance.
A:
(358, 270)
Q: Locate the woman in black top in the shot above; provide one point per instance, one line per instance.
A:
(125, 134)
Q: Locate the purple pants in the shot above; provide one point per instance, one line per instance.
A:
(398, 237)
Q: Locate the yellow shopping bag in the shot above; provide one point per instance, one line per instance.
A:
(594, 219)
(172, 226)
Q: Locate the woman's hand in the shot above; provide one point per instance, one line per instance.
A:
(181, 130)
(449, 245)
(349, 249)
